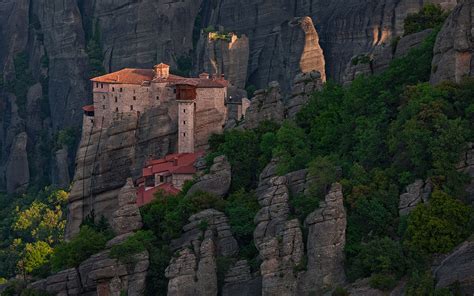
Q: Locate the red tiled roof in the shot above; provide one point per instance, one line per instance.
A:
(146, 196)
(132, 76)
(138, 76)
(88, 108)
(173, 163)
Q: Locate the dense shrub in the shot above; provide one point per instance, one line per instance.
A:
(135, 244)
(430, 16)
(72, 253)
(382, 256)
(384, 282)
(440, 225)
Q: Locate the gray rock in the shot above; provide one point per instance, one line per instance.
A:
(453, 49)
(217, 182)
(418, 192)
(411, 41)
(17, 170)
(266, 105)
(127, 217)
(457, 268)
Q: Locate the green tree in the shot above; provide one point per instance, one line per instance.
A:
(440, 225)
(430, 16)
(34, 257)
(292, 149)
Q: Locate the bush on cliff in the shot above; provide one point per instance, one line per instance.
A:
(72, 253)
(429, 17)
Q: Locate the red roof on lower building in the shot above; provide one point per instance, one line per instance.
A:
(88, 108)
(182, 163)
(145, 197)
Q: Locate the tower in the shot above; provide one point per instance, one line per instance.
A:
(186, 98)
(162, 71)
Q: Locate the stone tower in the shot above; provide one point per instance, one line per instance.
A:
(162, 71)
(186, 98)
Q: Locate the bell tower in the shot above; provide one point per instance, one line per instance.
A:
(186, 98)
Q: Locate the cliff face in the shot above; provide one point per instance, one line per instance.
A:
(281, 40)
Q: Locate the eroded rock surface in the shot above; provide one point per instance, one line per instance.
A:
(127, 217)
(266, 105)
(99, 275)
(304, 85)
(466, 166)
(415, 193)
(454, 45)
(217, 182)
(457, 269)
(18, 171)
(205, 238)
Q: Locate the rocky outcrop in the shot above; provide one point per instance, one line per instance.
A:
(378, 58)
(266, 105)
(454, 46)
(107, 157)
(240, 282)
(193, 270)
(17, 170)
(291, 47)
(304, 86)
(415, 193)
(325, 246)
(127, 217)
(217, 182)
(457, 268)
(226, 56)
(99, 275)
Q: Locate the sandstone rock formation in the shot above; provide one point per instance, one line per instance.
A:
(107, 157)
(266, 105)
(217, 182)
(417, 192)
(325, 246)
(457, 268)
(240, 282)
(288, 267)
(98, 275)
(224, 57)
(278, 239)
(378, 59)
(205, 238)
(453, 49)
(127, 217)
(18, 171)
(304, 85)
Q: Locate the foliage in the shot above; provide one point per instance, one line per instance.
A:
(440, 225)
(384, 282)
(184, 65)
(135, 244)
(243, 149)
(292, 149)
(34, 258)
(223, 264)
(361, 59)
(383, 256)
(430, 16)
(220, 36)
(86, 243)
(422, 283)
(241, 208)
(67, 137)
(96, 56)
(340, 291)
(22, 81)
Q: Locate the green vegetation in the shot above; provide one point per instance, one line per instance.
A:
(431, 16)
(376, 136)
(96, 56)
(28, 237)
(184, 65)
(135, 244)
(22, 81)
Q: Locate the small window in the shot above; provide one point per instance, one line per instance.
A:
(121, 89)
(157, 98)
(103, 107)
(116, 109)
(103, 97)
(184, 134)
(131, 107)
(101, 85)
(184, 122)
(184, 110)
(162, 179)
(97, 84)
(116, 100)
(174, 90)
(134, 98)
(113, 88)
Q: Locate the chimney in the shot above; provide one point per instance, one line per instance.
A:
(204, 75)
(162, 71)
